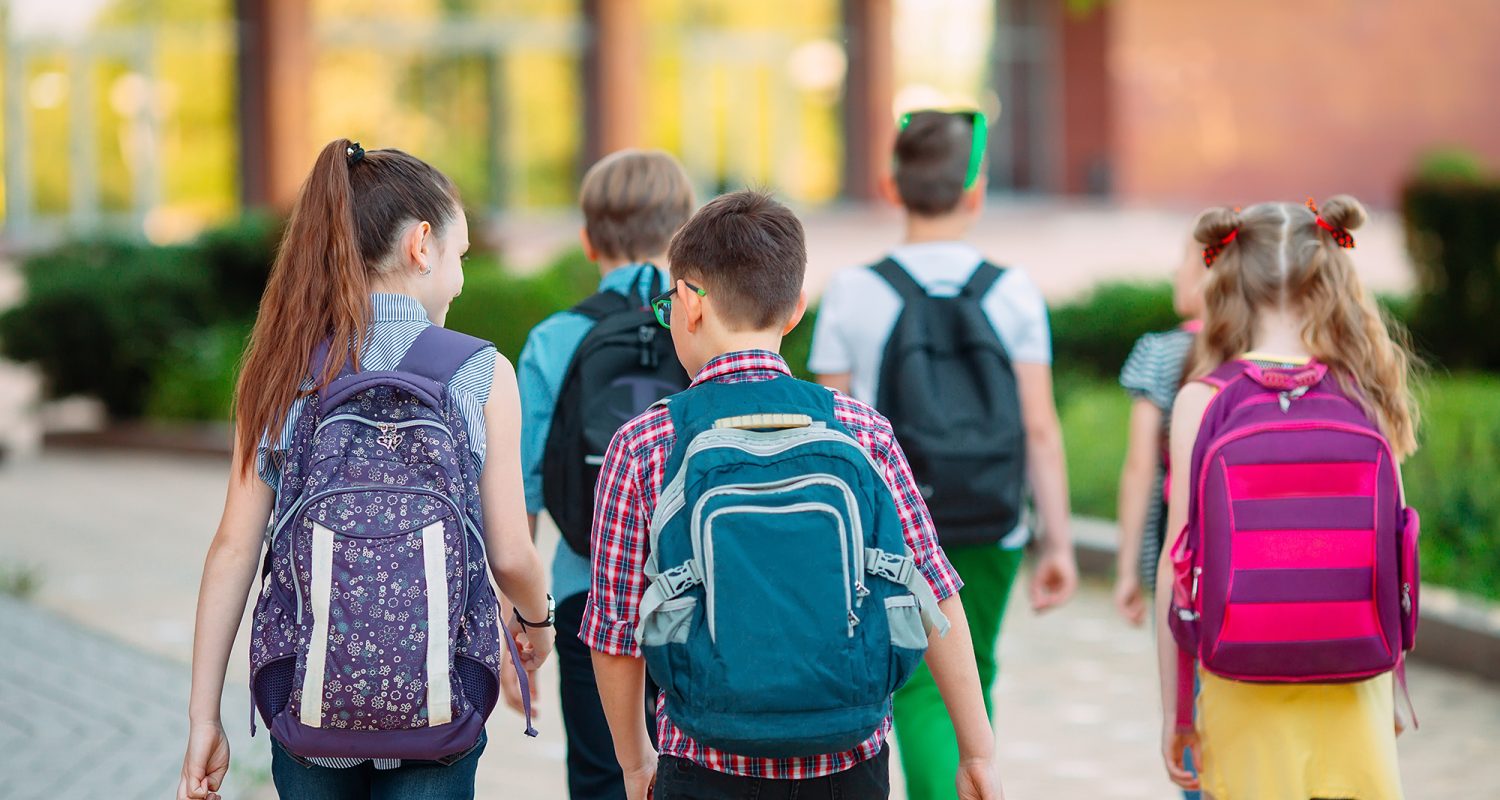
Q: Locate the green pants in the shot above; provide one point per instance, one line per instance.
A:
(928, 745)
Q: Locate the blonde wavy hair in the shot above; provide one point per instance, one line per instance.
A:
(1281, 258)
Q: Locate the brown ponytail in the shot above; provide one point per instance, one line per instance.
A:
(342, 230)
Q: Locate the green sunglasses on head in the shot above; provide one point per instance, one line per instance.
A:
(980, 141)
(662, 303)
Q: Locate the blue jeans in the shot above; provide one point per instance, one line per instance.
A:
(298, 779)
(680, 779)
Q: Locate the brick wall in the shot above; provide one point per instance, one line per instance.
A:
(1220, 101)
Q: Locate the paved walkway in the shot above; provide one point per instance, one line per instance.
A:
(93, 677)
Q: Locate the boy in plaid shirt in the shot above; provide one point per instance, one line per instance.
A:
(738, 268)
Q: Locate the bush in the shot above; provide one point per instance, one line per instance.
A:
(1454, 482)
(1095, 333)
(1453, 233)
(503, 308)
(98, 316)
(195, 381)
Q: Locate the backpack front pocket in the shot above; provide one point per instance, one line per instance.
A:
(384, 613)
(753, 613)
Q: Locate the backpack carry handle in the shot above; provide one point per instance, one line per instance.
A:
(753, 422)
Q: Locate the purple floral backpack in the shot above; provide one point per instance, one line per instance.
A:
(376, 630)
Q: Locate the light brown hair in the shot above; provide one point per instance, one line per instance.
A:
(633, 201)
(931, 161)
(342, 231)
(1281, 258)
(751, 254)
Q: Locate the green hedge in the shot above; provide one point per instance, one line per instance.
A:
(502, 307)
(1453, 233)
(1094, 333)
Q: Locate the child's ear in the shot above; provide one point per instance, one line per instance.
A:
(691, 303)
(797, 315)
(974, 198)
(888, 190)
(588, 245)
(417, 245)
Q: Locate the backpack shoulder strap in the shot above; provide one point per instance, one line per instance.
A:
(438, 353)
(598, 306)
(900, 280)
(1225, 373)
(985, 276)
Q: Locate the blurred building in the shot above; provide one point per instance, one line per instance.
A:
(161, 116)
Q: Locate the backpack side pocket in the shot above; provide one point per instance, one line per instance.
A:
(1411, 577)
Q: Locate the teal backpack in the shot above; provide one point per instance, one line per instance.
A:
(784, 607)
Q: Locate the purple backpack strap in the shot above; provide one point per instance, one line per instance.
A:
(438, 353)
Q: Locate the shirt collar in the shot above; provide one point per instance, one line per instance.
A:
(625, 278)
(743, 365)
(392, 307)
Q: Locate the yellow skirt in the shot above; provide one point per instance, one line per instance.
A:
(1296, 742)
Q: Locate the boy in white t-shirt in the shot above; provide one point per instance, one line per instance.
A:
(937, 180)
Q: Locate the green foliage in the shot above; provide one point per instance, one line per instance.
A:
(1095, 418)
(195, 380)
(1447, 164)
(1095, 333)
(102, 317)
(1454, 482)
(1453, 232)
(21, 581)
(503, 308)
(98, 316)
(797, 345)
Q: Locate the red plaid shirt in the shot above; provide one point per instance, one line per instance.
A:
(629, 483)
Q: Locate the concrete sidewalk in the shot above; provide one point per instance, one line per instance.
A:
(93, 675)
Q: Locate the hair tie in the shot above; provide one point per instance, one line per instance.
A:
(1341, 236)
(355, 153)
(1212, 251)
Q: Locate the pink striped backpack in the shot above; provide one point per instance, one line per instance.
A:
(1299, 560)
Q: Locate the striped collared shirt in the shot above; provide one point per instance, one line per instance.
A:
(629, 484)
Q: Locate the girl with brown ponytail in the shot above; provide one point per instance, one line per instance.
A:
(370, 260)
(1281, 291)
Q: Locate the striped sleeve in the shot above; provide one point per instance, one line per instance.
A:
(471, 385)
(1141, 375)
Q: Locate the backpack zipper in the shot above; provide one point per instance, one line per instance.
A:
(382, 426)
(464, 539)
(673, 497)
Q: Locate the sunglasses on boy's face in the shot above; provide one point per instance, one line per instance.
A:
(980, 140)
(662, 304)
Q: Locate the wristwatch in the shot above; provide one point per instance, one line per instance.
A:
(551, 615)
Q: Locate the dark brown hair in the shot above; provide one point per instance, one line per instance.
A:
(749, 252)
(342, 231)
(633, 201)
(1281, 258)
(932, 160)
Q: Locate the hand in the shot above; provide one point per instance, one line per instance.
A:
(1130, 602)
(1054, 578)
(535, 645)
(640, 780)
(206, 762)
(510, 687)
(978, 780)
(1173, 744)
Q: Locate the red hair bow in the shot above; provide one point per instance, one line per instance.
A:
(1212, 251)
(1340, 236)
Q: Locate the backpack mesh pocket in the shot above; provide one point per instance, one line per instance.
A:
(480, 687)
(273, 686)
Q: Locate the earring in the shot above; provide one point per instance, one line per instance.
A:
(424, 271)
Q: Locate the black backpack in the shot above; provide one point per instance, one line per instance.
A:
(948, 388)
(624, 364)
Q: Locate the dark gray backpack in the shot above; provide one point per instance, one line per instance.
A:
(948, 388)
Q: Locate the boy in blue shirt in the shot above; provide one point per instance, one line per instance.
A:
(632, 203)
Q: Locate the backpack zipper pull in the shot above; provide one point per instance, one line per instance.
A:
(647, 337)
(860, 593)
(853, 621)
(1292, 394)
(1406, 598)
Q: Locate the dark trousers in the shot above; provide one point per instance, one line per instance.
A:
(593, 772)
(450, 778)
(680, 779)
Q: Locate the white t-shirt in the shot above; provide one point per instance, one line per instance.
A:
(859, 311)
